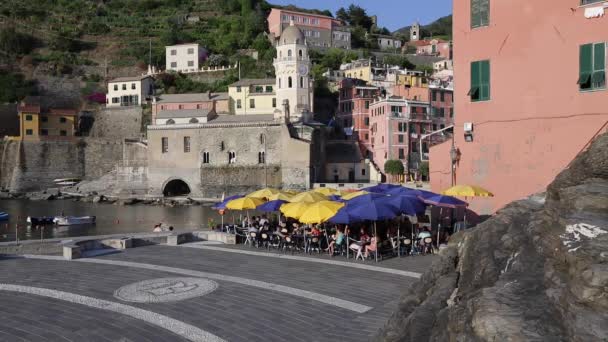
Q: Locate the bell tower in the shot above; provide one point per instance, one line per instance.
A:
(415, 32)
(292, 69)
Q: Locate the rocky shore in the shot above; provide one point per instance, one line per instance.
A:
(536, 271)
(57, 194)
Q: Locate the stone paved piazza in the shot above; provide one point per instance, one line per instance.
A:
(197, 292)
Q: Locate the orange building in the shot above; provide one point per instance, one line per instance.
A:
(530, 94)
(39, 123)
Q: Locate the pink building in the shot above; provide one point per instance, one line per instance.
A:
(433, 47)
(320, 31)
(412, 93)
(442, 103)
(531, 94)
(396, 126)
(353, 113)
(203, 101)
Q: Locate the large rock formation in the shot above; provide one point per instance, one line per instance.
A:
(536, 271)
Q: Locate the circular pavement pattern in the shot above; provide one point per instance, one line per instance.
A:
(165, 290)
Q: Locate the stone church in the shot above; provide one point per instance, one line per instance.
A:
(198, 153)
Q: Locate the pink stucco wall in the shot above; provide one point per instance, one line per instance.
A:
(353, 98)
(275, 27)
(412, 93)
(186, 105)
(537, 120)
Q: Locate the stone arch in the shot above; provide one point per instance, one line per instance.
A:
(176, 187)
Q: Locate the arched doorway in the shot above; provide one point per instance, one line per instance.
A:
(176, 187)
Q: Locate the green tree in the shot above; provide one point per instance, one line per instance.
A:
(401, 61)
(13, 41)
(14, 87)
(394, 168)
(424, 169)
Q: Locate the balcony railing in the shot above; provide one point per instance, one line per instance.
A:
(291, 59)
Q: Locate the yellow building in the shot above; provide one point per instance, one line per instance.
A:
(413, 79)
(37, 123)
(253, 96)
(360, 69)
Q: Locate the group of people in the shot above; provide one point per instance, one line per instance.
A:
(158, 228)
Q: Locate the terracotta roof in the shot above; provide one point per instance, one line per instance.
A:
(63, 111)
(129, 79)
(254, 81)
(29, 108)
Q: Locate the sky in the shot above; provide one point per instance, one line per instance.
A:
(392, 14)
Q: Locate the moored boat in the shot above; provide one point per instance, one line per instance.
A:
(73, 220)
(3, 216)
(41, 220)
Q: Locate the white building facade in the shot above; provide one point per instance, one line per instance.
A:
(293, 83)
(183, 57)
(389, 43)
(129, 91)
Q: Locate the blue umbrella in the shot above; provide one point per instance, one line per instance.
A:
(445, 201)
(381, 188)
(222, 205)
(366, 198)
(343, 216)
(411, 192)
(271, 206)
(408, 205)
(374, 210)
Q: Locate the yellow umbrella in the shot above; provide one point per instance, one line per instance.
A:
(308, 197)
(291, 192)
(244, 203)
(320, 212)
(294, 210)
(283, 196)
(328, 191)
(467, 191)
(263, 193)
(352, 195)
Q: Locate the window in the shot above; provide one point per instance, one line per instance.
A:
(402, 153)
(480, 81)
(63, 133)
(402, 126)
(44, 118)
(262, 139)
(366, 136)
(231, 157)
(116, 87)
(186, 144)
(289, 53)
(414, 146)
(280, 83)
(124, 87)
(194, 121)
(274, 103)
(587, 2)
(180, 107)
(164, 144)
(434, 96)
(425, 147)
(592, 73)
(29, 132)
(289, 82)
(170, 122)
(115, 100)
(442, 98)
(133, 86)
(366, 121)
(480, 13)
(451, 112)
(173, 52)
(259, 89)
(205, 157)
(63, 120)
(366, 104)
(400, 138)
(269, 89)
(174, 64)
(191, 51)
(301, 82)
(238, 89)
(190, 63)
(251, 103)
(362, 172)
(412, 128)
(300, 53)
(29, 118)
(44, 132)
(238, 104)
(262, 157)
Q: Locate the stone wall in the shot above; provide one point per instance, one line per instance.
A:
(118, 123)
(32, 166)
(238, 179)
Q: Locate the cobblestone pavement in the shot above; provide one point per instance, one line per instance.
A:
(154, 294)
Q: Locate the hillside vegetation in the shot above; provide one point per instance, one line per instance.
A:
(440, 28)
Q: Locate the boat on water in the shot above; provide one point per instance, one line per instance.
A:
(40, 221)
(73, 220)
(66, 181)
(3, 216)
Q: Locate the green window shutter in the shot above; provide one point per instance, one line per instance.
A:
(484, 13)
(598, 78)
(485, 80)
(474, 91)
(475, 13)
(585, 65)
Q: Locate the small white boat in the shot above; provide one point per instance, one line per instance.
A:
(73, 220)
(66, 181)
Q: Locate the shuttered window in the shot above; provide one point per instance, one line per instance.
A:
(480, 81)
(480, 13)
(592, 66)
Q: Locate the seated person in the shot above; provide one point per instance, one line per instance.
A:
(253, 228)
(336, 239)
(372, 247)
(315, 231)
